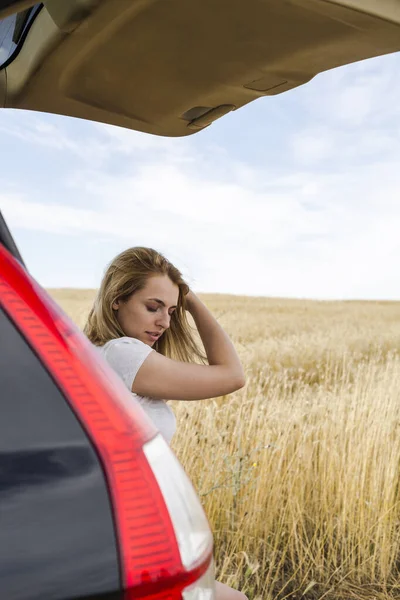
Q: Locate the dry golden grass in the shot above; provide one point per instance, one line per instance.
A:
(299, 471)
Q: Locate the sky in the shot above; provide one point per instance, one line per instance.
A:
(296, 195)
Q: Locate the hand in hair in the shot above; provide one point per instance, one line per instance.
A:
(161, 377)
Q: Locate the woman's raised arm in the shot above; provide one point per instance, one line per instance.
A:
(161, 377)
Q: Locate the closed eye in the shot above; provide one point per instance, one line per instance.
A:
(153, 310)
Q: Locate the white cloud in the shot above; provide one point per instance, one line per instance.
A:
(323, 224)
(37, 132)
(95, 146)
(318, 235)
(353, 116)
(313, 146)
(364, 93)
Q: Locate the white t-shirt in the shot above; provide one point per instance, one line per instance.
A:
(125, 356)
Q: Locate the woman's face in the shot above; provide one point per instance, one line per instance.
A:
(147, 313)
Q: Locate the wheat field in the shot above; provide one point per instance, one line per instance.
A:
(299, 471)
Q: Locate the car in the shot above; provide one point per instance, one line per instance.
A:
(94, 503)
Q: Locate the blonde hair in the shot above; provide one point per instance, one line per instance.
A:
(127, 274)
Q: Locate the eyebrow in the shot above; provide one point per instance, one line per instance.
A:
(161, 302)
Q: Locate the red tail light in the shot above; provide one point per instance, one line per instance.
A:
(156, 561)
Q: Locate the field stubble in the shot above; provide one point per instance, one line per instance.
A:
(299, 471)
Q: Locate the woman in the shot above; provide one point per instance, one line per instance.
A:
(139, 321)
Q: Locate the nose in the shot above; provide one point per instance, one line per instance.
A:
(163, 320)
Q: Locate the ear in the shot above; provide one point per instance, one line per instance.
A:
(115, 305)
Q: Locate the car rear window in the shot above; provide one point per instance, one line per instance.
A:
(13, 30)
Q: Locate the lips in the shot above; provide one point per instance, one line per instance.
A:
(153, 335)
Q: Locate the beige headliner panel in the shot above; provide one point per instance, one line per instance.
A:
(156, 65)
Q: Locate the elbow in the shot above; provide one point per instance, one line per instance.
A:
(238, 381)
(241, 381)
